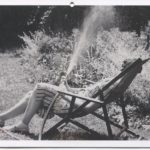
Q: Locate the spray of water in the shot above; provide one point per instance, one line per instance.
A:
(98, 17)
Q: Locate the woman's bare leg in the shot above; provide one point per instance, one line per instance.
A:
(16, 110)
(33, 106)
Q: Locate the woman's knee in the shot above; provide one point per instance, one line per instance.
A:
(43, 90)
(38, 85)
(38, 91)
(41, 86)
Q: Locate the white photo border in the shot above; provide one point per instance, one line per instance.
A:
(77, 2)
(76, 143)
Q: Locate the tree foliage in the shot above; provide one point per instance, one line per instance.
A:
(132, 18)
(14, 20)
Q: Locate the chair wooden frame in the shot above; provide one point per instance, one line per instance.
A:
(102, 103)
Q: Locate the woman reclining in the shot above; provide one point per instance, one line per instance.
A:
(38, 100)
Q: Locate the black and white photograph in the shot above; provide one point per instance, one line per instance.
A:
(75, 73)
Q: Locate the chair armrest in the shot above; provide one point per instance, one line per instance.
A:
(80, 97)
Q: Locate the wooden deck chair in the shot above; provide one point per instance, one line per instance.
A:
(113, 90)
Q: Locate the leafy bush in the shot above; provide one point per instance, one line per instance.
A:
(106, 56)
(47, 55)
(113, 48)
(40, 42)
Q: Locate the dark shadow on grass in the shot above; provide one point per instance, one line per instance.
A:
(30, 135)
(33, 136)
(56, 135)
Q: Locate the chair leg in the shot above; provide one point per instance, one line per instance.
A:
(64, 120)
(107, 121)
(85, 128)
(71, 106)
(45, 117)
(124, 111)
(55, 127)
(115, 124)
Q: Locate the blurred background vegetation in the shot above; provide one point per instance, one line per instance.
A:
(14, 20)
(44, 37)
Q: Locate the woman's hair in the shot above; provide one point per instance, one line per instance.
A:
(126, 63)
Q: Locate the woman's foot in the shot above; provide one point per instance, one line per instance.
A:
(20, 128)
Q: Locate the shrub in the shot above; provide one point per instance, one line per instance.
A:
(110, 50)
(113, 48)
(51, 54)
(48, 52)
